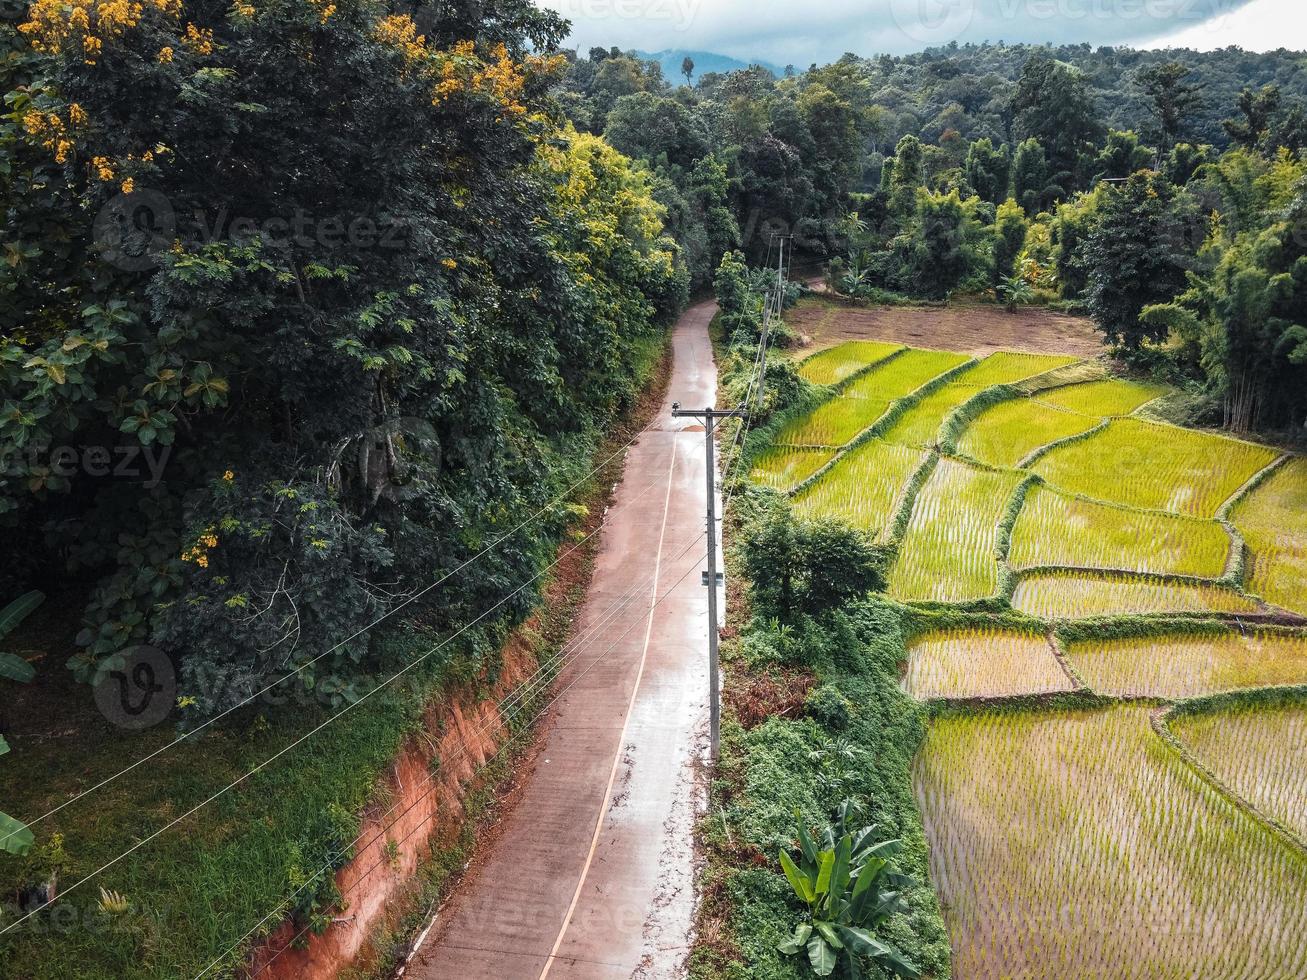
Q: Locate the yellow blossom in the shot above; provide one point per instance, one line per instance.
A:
(198, 39)
(449, 263)
(165, 55)
(229, 476)
(102, 167)
(76, 115)
(400, 32)
(128, 186)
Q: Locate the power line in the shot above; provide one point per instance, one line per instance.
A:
(618, 608)
(257, 694)
(349, 707)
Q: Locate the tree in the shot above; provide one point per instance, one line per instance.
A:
(687, 69)
(1133, 258)
(1052, 104)
(988, 170)
(1009, 239)
(807, 567)
(1173, 100)
(1121, 156)
(368, 338)
(1030, 176)
(1257, 111)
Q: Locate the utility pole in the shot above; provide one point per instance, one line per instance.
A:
(711, 578)
(773, 304)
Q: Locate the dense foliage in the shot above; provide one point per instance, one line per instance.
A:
(347, 282)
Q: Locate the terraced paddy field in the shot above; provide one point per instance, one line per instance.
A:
(865, 488)
(832, 367)
(785, 467)
(1066, 594)
(1180, 666)
(1143, 464)
(1079, 844)
(919, 426)
(1010, 431)
(1102, 399)
(1258, 751)
(1069, 841)
(1273, 519)
(949, 553)
(982, 663)
(1059, 530)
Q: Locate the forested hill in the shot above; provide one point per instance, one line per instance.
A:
(967, 87)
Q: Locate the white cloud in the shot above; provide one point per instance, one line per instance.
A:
(1262, 25)
(785, 32)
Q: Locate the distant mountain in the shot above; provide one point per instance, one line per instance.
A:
(704, 62)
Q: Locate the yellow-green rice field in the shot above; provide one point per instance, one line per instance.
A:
(1273, 520)
(1160, 467)
(1259, 752)
(949, 553)
(838, 364)
(1056, 529)
(1066, 594)
(982, 663)
(1181, 666)
(864, 488)
(1010, 431)
(1078, 844)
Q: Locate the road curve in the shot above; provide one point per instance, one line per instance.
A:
(593, 874)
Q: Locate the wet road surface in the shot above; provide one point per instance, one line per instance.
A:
(593, 874)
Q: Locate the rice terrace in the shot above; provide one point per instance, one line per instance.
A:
(1107, 639)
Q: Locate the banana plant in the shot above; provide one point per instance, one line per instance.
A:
(850, 888)
(15, 837)
(12, 666)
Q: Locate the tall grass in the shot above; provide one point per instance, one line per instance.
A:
(1066, 594)
(1180, 666)
(1161, 467)
(1079, 844)
(1058, 529)
(949, 552)
(974, 662)
(1273, 520)
(863, 489)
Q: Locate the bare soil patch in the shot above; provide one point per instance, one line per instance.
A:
(970, 328)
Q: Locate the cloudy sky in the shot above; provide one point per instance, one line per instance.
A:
(788, 32)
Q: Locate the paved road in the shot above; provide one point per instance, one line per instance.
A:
(593, 874)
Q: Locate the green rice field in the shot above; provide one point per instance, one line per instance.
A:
(1068, 841)
(1183, 666)
(1259, 751)
(1273, 519)
(864, 488)
(1068, 594)
(1159, 467)
(1078, 844)
(785, 467)
(949, 553)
